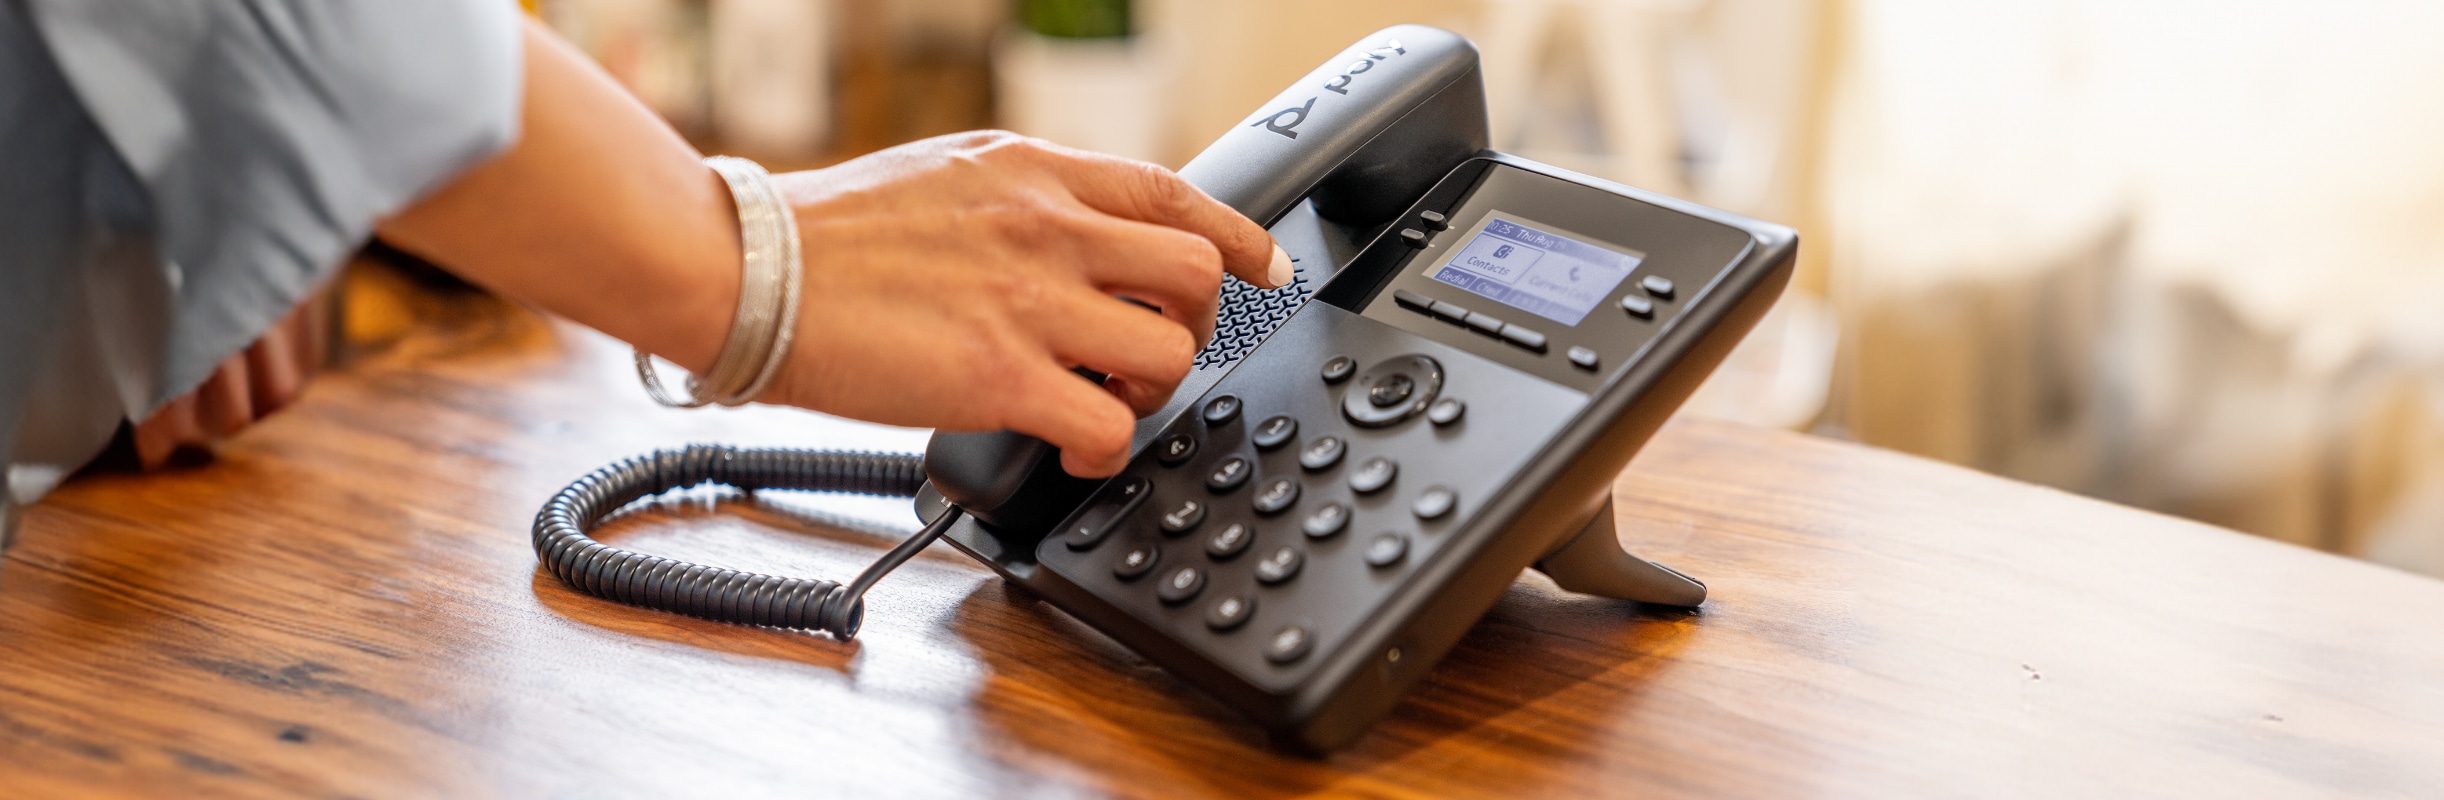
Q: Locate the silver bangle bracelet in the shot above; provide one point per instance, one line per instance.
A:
(767, 318)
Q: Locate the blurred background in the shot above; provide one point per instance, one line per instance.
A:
(2180, 255)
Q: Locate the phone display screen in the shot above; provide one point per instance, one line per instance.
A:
(1535, 270)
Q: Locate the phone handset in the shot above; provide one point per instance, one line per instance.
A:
(1360, 137)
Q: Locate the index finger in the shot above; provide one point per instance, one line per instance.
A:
(1148, 193)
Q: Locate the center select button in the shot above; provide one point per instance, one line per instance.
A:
(1392, 390)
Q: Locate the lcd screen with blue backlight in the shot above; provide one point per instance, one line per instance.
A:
(1533, 269)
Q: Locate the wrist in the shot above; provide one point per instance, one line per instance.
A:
(764, 288)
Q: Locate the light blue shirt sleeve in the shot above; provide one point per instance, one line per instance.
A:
(178, 174)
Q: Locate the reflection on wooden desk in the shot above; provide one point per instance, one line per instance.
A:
(345, 602)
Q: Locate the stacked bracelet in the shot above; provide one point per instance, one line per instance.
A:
(767, 296)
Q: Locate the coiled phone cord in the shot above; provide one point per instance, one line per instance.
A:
(715, 593)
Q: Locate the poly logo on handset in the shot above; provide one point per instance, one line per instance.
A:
(1338, 85)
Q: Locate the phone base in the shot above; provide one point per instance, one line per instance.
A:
(1595, 563)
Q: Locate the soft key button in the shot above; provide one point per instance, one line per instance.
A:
(1484, 323)
(1523, 338)
(1448, 311)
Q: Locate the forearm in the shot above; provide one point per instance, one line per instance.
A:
(599, 213)
(958, 280)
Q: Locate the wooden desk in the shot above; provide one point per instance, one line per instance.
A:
(346, 603)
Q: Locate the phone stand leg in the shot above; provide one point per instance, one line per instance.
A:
(1594, 563)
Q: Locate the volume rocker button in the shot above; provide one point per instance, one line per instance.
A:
(1113, 506)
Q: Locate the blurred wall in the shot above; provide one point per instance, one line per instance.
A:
(2176, 254)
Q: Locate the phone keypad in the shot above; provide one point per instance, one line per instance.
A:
(1309, 491)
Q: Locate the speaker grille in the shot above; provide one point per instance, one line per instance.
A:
(1247, 315)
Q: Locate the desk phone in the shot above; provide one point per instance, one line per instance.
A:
(1362, 461)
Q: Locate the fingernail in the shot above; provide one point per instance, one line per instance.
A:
(1281, 272)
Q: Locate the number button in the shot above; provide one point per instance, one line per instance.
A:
(1137, 561)
(1322, 453)
(1373, 474)
(1229, 541)
(1229, 474)
(1275, 432)
(1175, 449)
(1181, 586)
(1289, 644)
(1280, 565)
(1327, 520)
(1184, 518)
(1221, 409)
(1231, 612)
(1276, 496)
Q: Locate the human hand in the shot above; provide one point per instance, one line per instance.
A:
(953, 282)
(246, 387)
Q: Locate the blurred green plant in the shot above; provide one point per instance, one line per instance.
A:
(1076, 19)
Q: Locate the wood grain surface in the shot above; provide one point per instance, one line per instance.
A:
(345, 603)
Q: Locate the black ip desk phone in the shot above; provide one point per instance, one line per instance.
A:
(1362, 461)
